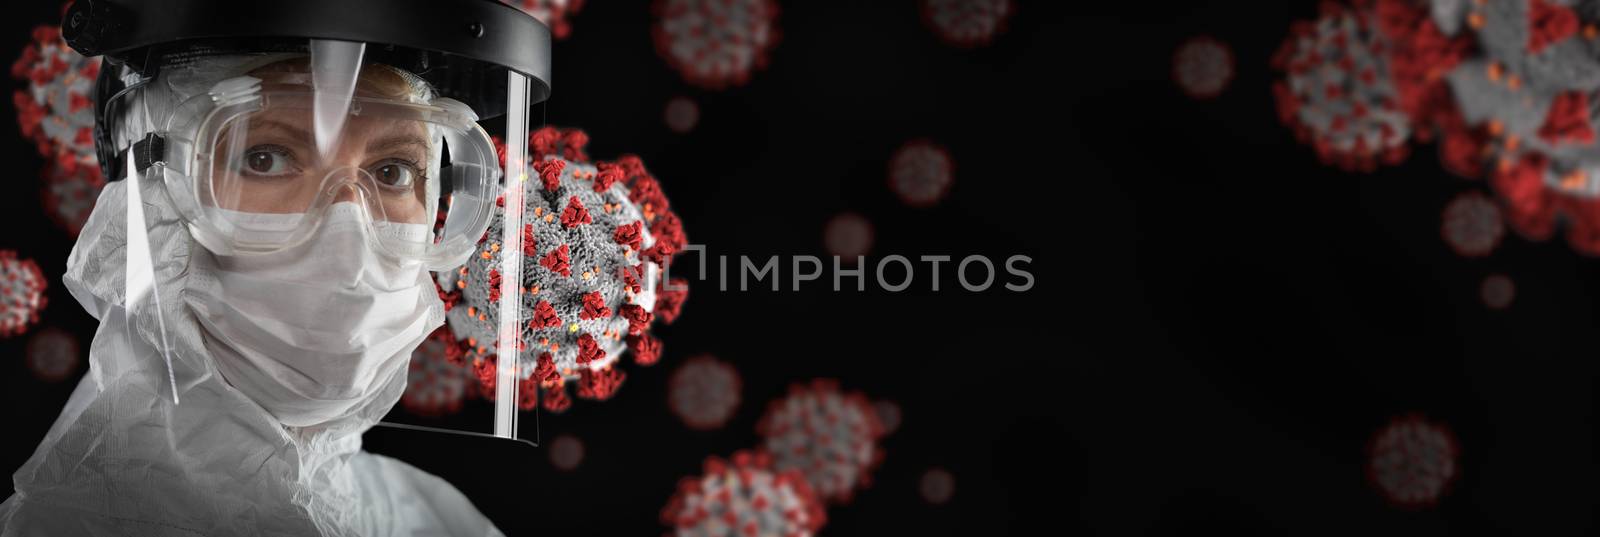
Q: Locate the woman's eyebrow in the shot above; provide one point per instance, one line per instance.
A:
(271, 125)
(261, 127)
(396, 142)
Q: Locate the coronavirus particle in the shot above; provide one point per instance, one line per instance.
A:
(937, 486)
(704, 392)
(55, 113)
(70, 190)
(566, 452)
(744, 496)
(1412, 461)
(829, 436)
(1472, 225)
(553, 13)
(920, 173)
(22, 288)
(595, 239)
(967, 23)
(53, 355)
(1497, 291)
(888, 415)
(1202, 67)
(715, 44)
(681, 114)
(847, 236)
(438, 380)
(1337, 93)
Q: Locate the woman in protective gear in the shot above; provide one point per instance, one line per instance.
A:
(261, 269)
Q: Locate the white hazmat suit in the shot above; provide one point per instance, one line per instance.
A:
(124, 459)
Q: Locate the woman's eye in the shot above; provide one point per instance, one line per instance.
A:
(266, 162)
(395, 174)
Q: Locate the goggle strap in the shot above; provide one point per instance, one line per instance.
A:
(147, 152)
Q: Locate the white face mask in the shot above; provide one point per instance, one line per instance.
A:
(314, 331)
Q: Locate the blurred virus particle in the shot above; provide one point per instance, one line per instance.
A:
(1472, 225)
(595, 238)
(1497, 291)
(682, 114)
(22, 288)
(553, 13)
(967, 23)
(70, 190)
(1412, 461)
(937, 486)
(438, 381)
(715, 44)
(888, 415)
(55, 112)
(847, 236)
(1202, 67)
(920, 173)
(744, 496)
(1337, 94)
(53, 355)
(704, 392)
(566, 452)
(829, 436)
(1527, 98)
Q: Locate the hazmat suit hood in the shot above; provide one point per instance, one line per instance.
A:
(123, 458)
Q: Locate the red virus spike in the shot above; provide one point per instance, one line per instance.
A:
(646, 348)
(550, 173)
(545, 370)
(1567, 120)
(527, 393)
(494, 286)
(575, 214)
(669, 303)
(661, 253)
(668, 230)
(530, 241)
(1549, 23)
(638, 318)
(1530, 206)
(600, 385)
(544, 316)
(594, 307)
(484, 370)
(608, 175)
(588, 350)
(557, 261)
(555, 400)
(628, 235)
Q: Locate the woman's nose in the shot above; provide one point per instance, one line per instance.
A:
(346, 191)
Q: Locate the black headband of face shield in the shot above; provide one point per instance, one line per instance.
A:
(463, 48)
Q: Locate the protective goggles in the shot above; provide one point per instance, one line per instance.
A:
(253, 163)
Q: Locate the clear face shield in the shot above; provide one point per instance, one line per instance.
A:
(323, 190)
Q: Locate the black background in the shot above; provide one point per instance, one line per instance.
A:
(1218, 324)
